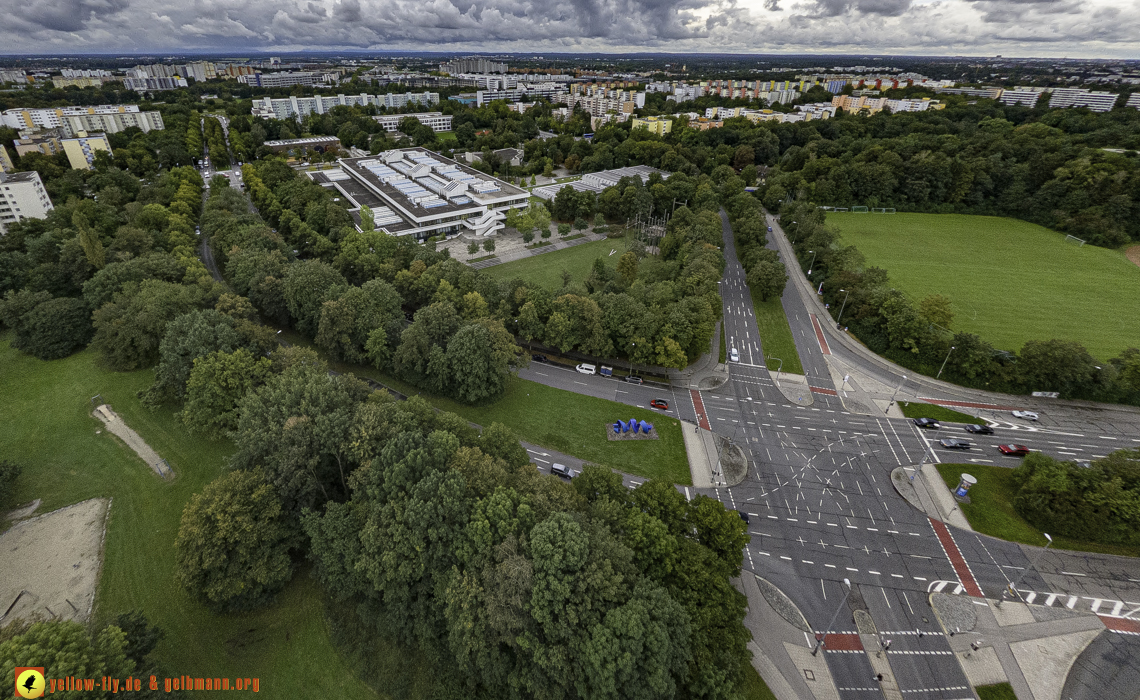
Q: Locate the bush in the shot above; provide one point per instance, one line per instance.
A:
(9, 472)
(581, 224)
(545, 233)
(489, 245)
(563, 229)
(528, 236)
(54, 329)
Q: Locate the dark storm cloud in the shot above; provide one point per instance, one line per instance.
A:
(887, 8)
(65, 15)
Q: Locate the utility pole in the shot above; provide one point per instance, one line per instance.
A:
(819, 642)
(1013, 586)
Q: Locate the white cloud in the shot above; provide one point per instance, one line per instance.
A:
(1109, 28)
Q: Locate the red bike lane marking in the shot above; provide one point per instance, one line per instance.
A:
(841, 642)
(699, 407)
(965, 576)
(819, 335)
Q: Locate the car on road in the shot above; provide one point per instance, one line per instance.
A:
(561, 470)
(1014, 450)
(979, 429)
(734, 355)
(586, 369)
(634, 380)
(927, 423)
(660, 403)
(539, 358)
(1027, 415)
(955, 444)
(769, 229)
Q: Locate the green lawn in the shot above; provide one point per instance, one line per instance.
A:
(990, 510)
(546, 269)
(776, 335)
(1010, 281)
(997, 691)
(49, 431)
(929, 410)
(754, 687)
(723, 347)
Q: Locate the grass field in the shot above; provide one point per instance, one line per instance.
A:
(1010, 281)
(49, 431)
(776, 334)
(929, 410)
(546, 269)
(990, 510)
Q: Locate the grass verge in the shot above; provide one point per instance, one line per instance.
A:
(997, 691)
(776, 334)
(991, 512)
(48, 429)
(1010, 281)
(546, 270)
(912, 409)
(754, 688)
(723, 347)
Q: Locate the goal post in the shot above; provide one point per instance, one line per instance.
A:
(859, 210)
(1073, 239)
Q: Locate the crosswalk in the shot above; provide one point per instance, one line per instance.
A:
(1105, 607)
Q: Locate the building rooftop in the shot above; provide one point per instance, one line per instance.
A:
(31, 176)
(302, 142)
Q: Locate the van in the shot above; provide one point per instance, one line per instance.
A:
(586, 369)
(561, 470)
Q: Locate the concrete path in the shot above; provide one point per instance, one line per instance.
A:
(702, 454)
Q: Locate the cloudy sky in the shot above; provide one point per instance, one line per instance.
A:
(1073, 28)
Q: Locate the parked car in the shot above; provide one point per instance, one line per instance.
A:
(586, 369)
(979, 429)
(954, 444)
(927, 423)
(734, 355)
(539, 358)
(634, 380)
(660, 403)
(1014, 450)
(561, 470)
(1027, 415)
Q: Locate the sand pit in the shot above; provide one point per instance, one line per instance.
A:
(1133, 254)
(49, 565)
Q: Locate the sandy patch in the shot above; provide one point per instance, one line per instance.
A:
(49, 565)
(1133, 254)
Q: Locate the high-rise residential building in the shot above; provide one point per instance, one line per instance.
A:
(1133, 100)
(436, 120)
(550, 91)
(108, 118)
(81, 149)
(157, 70)
(22, 196)
(654, 125)
(84, 73)
(284, 79)
(154, 84)
(46, 142)
(82, 82)
(6, 164)
(988, 93)
(286, 107)
(1079, 97)
(472, 64)
(13, 76)
(1021, 96)
(200, 72)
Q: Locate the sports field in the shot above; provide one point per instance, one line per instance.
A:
(546, 269)
(1010, 281)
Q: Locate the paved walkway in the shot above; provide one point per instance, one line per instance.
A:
(116, 426)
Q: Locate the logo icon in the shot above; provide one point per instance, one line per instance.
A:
(30, 682)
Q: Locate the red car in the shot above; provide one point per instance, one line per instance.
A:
(660, 403)
(1014, 450)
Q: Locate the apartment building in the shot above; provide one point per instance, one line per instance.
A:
(1026, 97)
(415, 192)
(436, 120)
(286, 107)
(472, 65)
(47, 142)
(154, 84)
(81, 149)
(6, 164)
(319, 144)
(22, 196)
(13, 76)
(82, 82)
(862, 104)
(654, 125)
(550, 91)
(1133, 101)
(986, 93)
(284, 79)
(1079, 97)
(110, 119)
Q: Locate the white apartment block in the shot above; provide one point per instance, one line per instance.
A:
(22, 196)
(1133, 101)
(154, 84)
(550, 91)
(285, 79)
(71, 120)
(13, 76)
(436, 120)
(472, 65)
(1079, 97)
(1026, 97)
(286, 107)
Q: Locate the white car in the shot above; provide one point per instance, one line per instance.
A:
(1027, 415)
(734, 355)
(585, 368)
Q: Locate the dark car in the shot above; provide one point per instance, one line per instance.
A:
(979, 429)
(561, 470)
(954, 444)
(634, 380)
(927, 423)
(539, 358)
(1014, 450)
(660, 403)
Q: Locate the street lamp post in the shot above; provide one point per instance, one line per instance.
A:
(819, 642)
(778, 369)
(888, 408)
(1013, 586)
(795, 236)
(841, 308)
(812, 261)
(944, 363)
